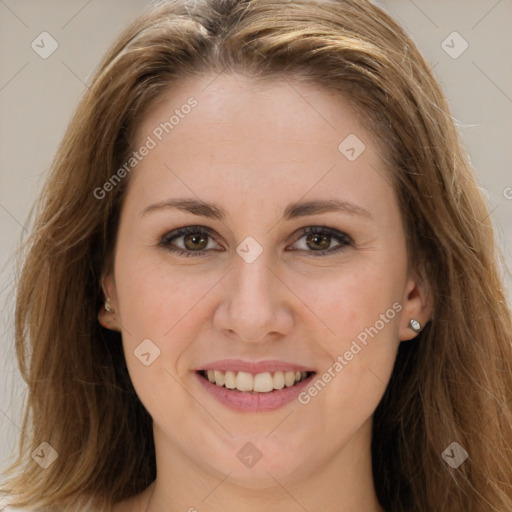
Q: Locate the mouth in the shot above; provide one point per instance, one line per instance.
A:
(246, 382)
(253, 386)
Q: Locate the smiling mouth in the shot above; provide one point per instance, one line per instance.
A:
(265, 382)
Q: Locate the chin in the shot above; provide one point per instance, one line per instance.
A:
(257, 462)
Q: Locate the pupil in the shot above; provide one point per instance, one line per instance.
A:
(194, 238)
(323, 238)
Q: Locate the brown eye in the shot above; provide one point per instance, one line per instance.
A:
(195, 241)
(321, 242)
(192, 241)
(318, 240)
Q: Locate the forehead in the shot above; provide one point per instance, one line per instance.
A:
(225, 104)
(231, 134)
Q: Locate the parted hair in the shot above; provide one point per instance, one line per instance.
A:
(453, 383)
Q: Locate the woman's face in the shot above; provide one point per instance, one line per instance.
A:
(249, 289)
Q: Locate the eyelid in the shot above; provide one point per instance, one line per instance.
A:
(183, 231)
(344, 239)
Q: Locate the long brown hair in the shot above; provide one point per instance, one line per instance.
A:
(452, 384)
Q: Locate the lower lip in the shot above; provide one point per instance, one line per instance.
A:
(253, 401)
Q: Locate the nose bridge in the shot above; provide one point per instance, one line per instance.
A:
(252, 281)
(252, 309)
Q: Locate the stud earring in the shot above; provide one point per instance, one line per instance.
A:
(108, 307)
(414, 325)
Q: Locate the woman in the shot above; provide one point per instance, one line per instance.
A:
(262, 275)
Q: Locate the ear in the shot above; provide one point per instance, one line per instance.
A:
(417, 304)
(108, 319)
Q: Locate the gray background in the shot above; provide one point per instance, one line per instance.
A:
(38, 96)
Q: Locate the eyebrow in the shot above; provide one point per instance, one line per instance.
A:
(292, 211)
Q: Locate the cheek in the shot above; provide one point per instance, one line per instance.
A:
(156, 303)
(154, 295)
(358, 317)
(348, 300)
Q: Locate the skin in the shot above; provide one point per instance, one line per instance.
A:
(253, 149)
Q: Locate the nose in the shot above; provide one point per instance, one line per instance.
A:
(256, 304)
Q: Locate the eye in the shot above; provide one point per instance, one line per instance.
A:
(320, 239)
(195, 240)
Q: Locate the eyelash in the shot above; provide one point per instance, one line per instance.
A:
(344, 239)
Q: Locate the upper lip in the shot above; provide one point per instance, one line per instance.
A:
(254, 367)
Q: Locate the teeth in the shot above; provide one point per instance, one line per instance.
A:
(230, 380)
(289, 379)
(278, 380)
(263, 382)
(260, 383)
(244, 381)
(219, 377)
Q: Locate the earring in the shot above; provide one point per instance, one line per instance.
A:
(108, 307)
(414, 325)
